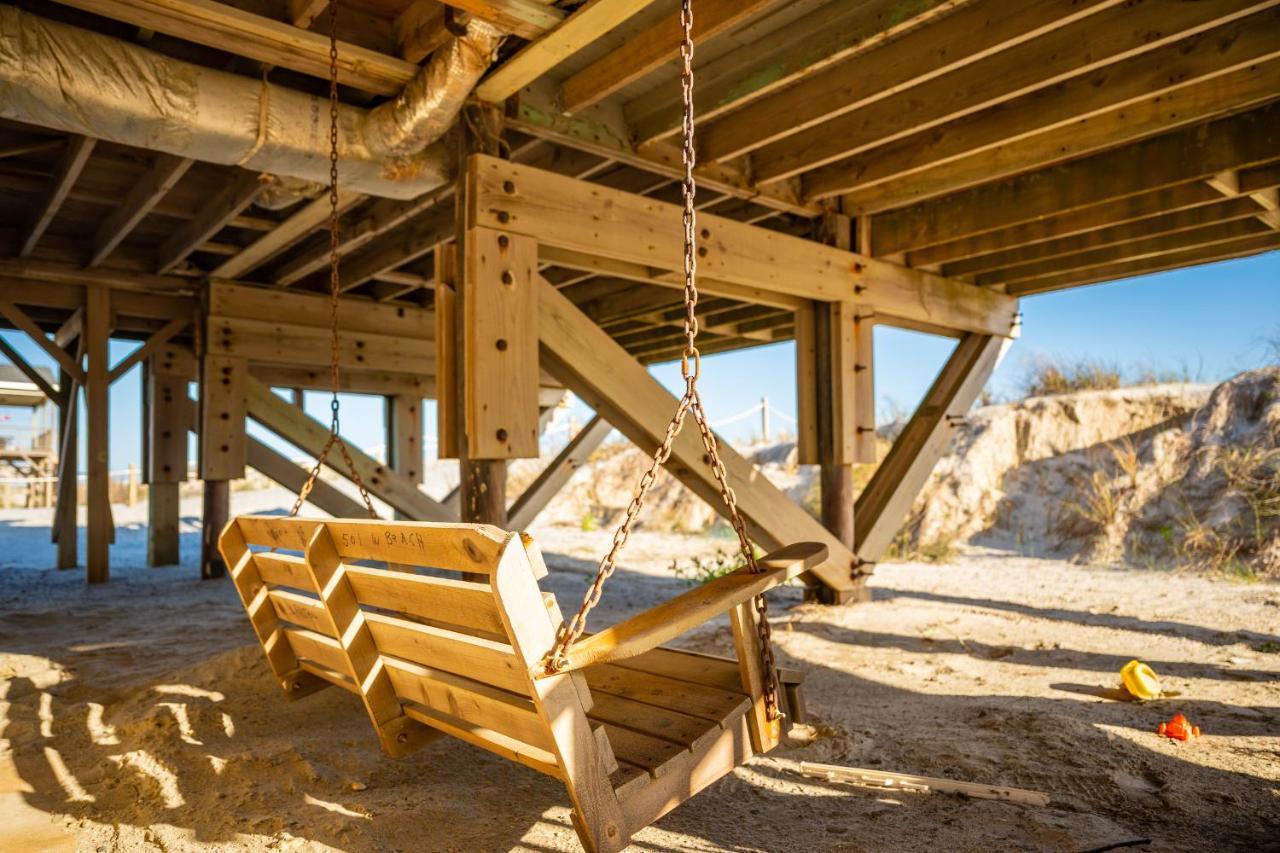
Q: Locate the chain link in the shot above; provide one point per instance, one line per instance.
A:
(335, 290)
(690, 402)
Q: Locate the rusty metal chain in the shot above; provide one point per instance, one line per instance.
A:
(335, 289)
(690, 402)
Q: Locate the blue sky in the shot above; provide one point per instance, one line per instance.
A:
(1207, 322)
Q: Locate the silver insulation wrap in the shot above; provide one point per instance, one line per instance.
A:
(73, 80)
(429, 104)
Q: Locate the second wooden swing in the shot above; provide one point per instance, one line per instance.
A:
(460, 641)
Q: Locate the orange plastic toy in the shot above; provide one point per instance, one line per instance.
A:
(1179, 728)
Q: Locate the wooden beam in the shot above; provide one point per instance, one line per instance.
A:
(21, 321)
(1078, 222)
(974, 32)
(420, 29)
(602, 130)
(592, 365)
(581, 217)
(1161, 112)
(525, 18)
(357, 382)
(397, 247)
(1025, 274)
(215, 216)
(592, 20)
(1243, 247)
(97, 331)
(15, 358)
(280, 469)
(1173, 158)
(649, 50)
(311, 218)
(157, 340)
(69, 168)
(301, 430)
(303, 13)
(780, 58)
(1079, 43)
(887, 499)
(378, 218)
(1178, 220)
(267, 40)
(154, 185)
(548, 484)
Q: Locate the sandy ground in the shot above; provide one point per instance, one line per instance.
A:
(139, 715)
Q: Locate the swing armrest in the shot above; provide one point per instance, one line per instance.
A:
(657, 625)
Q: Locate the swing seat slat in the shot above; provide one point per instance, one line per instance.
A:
(634, 730)
(700, 605)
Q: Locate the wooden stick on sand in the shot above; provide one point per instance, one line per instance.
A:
(908, 782)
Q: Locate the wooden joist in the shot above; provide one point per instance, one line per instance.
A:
(1239, 248)
(1247, 139)
(650, 49)
(267, 40)
(216, 215)
(778, 59)
(602, 130)
(153, 186)
(69, 168)
(313, 216)
(1199, 100)
(1079, 43)
(593, 366)
(589, 22)
(580, 217)
(525, 18)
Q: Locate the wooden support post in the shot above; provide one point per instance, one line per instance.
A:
(887, 499)
(864, 387)
(223, 448)
(97, 330)
(217, 512)
(169, 412)
(495, 343)
(65, 532)
(404, 436)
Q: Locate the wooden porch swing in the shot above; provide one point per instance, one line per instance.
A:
(442, 629)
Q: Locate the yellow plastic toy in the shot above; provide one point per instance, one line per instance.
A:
(1140, 680)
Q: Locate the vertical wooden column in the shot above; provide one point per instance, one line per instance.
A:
(223, 448)
(65, 532)
(97, 331)
(166, 376)
(404, 437)
(493, 363)
(827, 340)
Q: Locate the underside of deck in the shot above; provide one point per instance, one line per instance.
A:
(921, 165)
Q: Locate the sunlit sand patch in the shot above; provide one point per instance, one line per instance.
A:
(148, 765)
(228, 725)
(45, 715)
(102, 733)
(185, 730)
(188, 690)
(334, 807)
(219, 764)
(71, 785)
